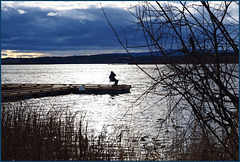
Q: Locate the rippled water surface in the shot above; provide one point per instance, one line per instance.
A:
(100, 110)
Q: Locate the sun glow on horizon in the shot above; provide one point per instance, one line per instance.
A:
(19, 54)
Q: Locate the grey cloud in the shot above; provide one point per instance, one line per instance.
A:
(49, 30)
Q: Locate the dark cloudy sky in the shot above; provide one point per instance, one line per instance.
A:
(63, 28)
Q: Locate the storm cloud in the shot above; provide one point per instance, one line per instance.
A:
(48, 30)
(64, 28)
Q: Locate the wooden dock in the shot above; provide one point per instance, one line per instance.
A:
(10, 92)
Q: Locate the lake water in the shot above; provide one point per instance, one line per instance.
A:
(131, 111)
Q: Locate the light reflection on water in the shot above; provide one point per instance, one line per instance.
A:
(100, 110)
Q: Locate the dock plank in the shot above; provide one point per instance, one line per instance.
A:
(14, 91)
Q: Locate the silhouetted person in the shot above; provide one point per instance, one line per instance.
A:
(112, 78)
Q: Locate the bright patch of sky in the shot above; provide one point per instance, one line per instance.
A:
(21, 11)
(21, 54)
(68, 5)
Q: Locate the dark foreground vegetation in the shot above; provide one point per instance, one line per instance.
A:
(31, 134)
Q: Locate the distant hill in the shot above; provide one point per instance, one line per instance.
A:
(91, 59)
(119, 58)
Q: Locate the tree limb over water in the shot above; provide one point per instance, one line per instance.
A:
(206, 94)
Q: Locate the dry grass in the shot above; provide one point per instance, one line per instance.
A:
(31, 134)
(199, 145)
(28, 134)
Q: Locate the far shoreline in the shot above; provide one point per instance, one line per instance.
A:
(123, 59)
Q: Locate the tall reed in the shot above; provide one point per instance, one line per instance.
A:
(30, 135)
